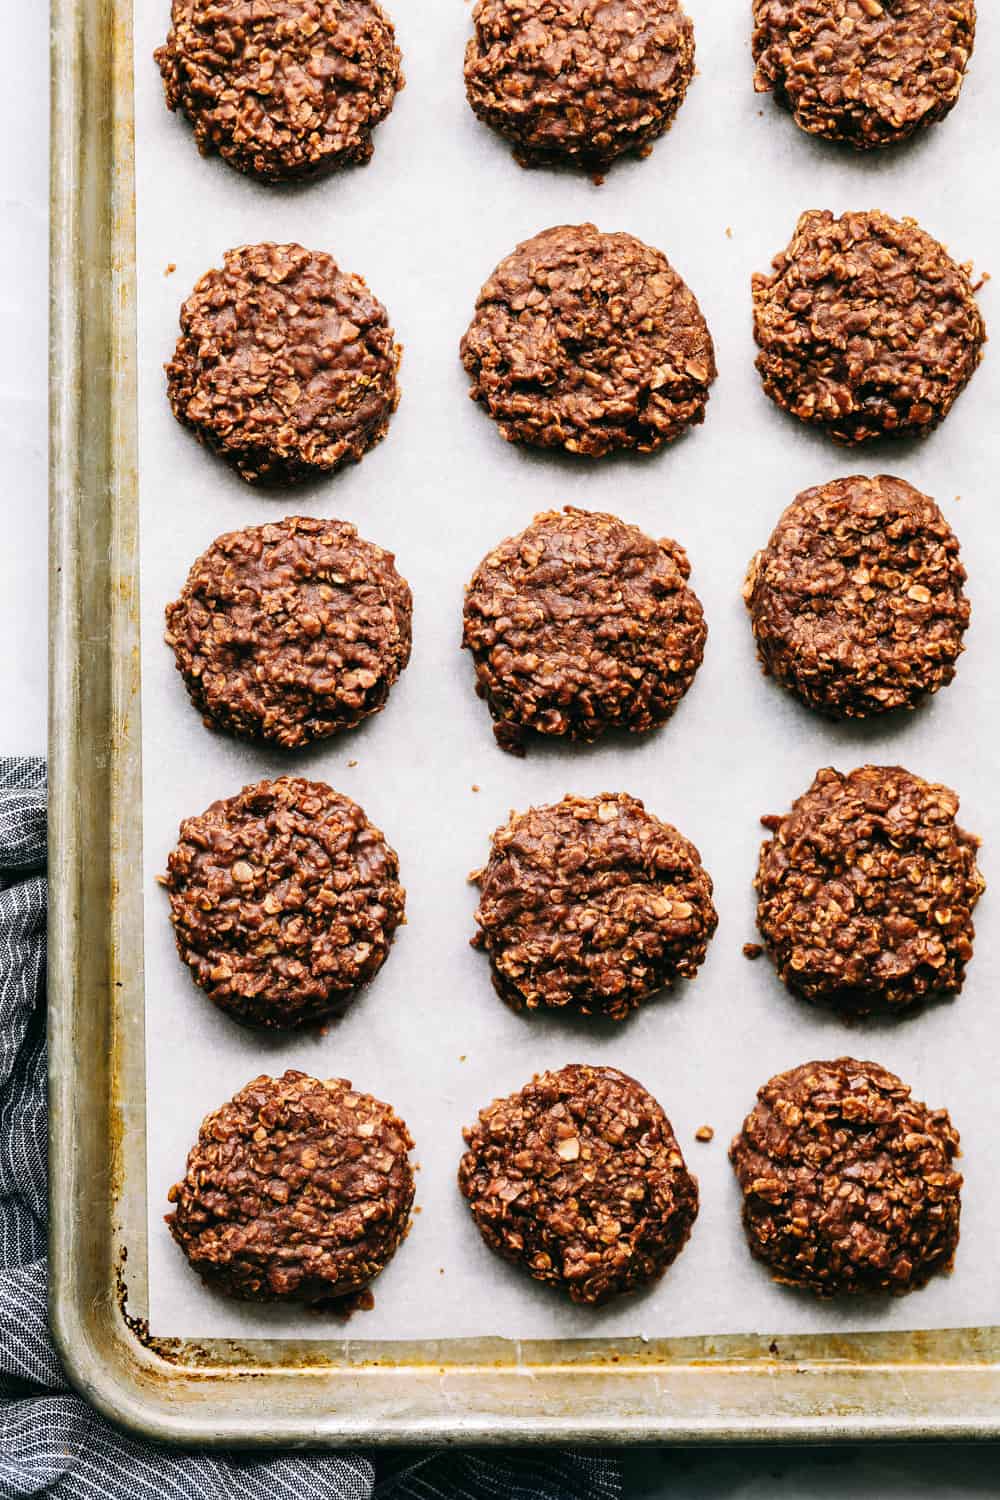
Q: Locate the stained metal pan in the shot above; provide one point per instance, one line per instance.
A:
(266, 1393)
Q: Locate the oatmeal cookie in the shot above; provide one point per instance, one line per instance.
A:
(289, 89)
(578, 82)
(295, 1191)
(284, 901)
(285, 366)
(857, 602)
(589, 342)
(579, 1179)
(866, 889)
(580, 624)
(847, 1180)
(866, 327)
(867, 72)
(592, 905)
(292, 631)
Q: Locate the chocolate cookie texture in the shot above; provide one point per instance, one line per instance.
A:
(868, 72)
(592, 905)
(295, 1191)
(288, 89)
(291, 632)
(866, 891)
(857, 602)
(579, 82)
(579, 1179)
(848, 1183)
(580, 624)
(866, 327)
(589, 342)
(286, 366)
(284, 901)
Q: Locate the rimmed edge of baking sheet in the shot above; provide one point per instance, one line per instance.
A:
(277, 1393)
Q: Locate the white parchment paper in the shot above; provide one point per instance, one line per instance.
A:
(425, 223)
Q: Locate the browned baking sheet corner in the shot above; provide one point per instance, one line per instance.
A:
(280, 1393)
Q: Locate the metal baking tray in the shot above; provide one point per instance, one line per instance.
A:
(263, 1393)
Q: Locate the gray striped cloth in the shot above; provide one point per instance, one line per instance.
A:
(51, 1442)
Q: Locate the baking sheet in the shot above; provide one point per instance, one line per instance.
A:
(439, 205)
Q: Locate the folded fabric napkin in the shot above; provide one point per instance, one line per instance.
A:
(51, 1441)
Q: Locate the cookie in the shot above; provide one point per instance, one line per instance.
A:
(580, 624)
(857, 602)
(295, 1191)
(579, 1180)
(867, 72)
(592, 905)
(589, 342)
(866, 327)
(284, 901)
(286, 366)
(290, 89)
(866, 889)
(291, 632)
(847, 1180)
(574, 83)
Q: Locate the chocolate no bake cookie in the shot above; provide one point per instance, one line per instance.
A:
(866, 891)
(866, 327)
(283, 90)
(284, 901)
(593, 905)
(848, 1183)
(580, 624)
(579, 1179)
(868, 72)
(579, 82)
(857, 601)
(286, 366)
(292, 631)
(589, 342)
(297, 1190)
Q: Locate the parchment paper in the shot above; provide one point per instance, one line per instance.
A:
(425, 223)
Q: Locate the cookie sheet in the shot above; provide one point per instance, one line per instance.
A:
(425, 222)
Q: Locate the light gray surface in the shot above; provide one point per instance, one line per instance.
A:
(24, 199)
(440, 491)
(23, 104)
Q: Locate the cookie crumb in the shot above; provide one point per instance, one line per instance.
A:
(752, 950)
(704, 1133)
(171, 268)
(475, 788)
